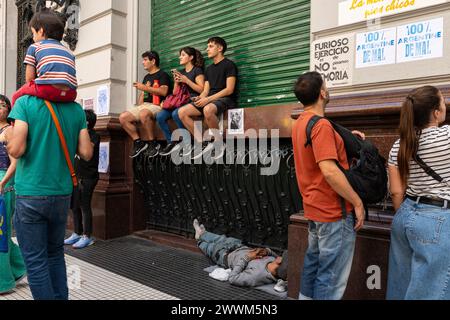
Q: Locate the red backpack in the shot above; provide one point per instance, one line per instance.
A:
(180, 98)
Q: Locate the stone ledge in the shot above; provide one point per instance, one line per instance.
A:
(169, 239)
(269, 118)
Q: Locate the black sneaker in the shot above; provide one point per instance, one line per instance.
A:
(174, 146)
(153, 149)
(139, 147)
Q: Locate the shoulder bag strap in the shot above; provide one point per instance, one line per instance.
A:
(63, 143)
(428, 169)
(4, 128)
(311, 123)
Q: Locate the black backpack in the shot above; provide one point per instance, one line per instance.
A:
(367, 175)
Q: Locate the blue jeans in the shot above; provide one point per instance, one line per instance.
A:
(163, 116)
(328, 259)
(40, 224)
(215, 247)
(419, 258)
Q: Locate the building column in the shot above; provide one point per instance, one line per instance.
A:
(108, 54)
(8, 47)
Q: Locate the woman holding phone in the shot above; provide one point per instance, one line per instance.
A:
(193, 77)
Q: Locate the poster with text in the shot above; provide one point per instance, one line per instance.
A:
(376, 48)
(88, 104)
(333, 58)
(352, 11)
(420, 40)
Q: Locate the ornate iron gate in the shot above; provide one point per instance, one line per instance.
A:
(229, 199)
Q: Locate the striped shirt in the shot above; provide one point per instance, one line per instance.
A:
(434, 149)
(54, 63)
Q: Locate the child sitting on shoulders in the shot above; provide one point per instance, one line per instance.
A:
(50, 66)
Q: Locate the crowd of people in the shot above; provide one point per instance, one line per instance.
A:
(209, 94)
(418, 181)
(43, 133)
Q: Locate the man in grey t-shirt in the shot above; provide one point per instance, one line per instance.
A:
(250, 267)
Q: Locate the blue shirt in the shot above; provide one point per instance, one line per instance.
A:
(54, 63)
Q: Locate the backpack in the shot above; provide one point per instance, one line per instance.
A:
(180, 98)
(368, 175)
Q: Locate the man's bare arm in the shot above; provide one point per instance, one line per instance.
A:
(339, 183)
(85, 147)
(16, 138)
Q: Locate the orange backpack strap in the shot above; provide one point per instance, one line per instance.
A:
(63, 143)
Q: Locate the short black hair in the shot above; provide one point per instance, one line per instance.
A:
(151, 55)
(91, 118)
(283, 267)
(220, 41)
(49, 21)
(307, 88)
(6, 100)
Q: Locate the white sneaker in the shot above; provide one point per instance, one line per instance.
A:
(83, 242)
(74, 238)
(281, 286)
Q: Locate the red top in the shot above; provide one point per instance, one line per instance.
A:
(156, 99)
(320, 202)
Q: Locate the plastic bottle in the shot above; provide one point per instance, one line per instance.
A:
(146, 94)
(156, 99)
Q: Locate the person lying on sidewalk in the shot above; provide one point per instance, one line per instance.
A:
(250, 267)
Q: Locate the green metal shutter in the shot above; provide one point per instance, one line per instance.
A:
(268, 40)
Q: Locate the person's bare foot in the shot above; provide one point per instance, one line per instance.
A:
(199, 229)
